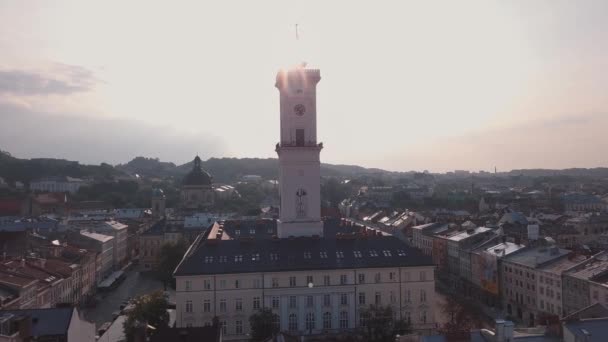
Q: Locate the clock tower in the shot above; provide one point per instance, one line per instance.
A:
(298, 150)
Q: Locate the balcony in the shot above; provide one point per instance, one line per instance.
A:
(299, 144)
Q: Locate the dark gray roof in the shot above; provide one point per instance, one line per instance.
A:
(46, 322)
(261, 229)
(295, 254)
(161, 227)
(197, 176)
(596, 329)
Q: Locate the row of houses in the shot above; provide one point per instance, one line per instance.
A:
(532, 283)
(64, 274)
(47, 262)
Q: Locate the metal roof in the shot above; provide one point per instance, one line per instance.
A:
(47, 322)
(299, 254)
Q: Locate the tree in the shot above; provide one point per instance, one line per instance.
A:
(150, 309)
(463, 317)
(169, 257)
(333, 191)
(262, 324)
(381, 325)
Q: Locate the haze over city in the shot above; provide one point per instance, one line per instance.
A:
(407, 85)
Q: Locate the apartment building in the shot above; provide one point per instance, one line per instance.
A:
(519, 279)
(585, 284)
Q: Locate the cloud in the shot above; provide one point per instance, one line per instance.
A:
(58, 79)
(94, 140)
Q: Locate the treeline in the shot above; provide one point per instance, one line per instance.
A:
(25, 170)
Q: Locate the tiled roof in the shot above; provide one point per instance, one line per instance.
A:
(15, 281)
(299, 254)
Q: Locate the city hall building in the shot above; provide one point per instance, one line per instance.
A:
(316, 275)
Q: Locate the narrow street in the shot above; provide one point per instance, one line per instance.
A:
(135, 284)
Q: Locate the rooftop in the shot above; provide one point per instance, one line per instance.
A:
(115, 225)
(197, 176)
(503, 249)
(96, 236)
(580, 198)
(589, 330)
(163, 226)
(514, 218)
(235, 229)
(559, 266)
(536, 256)
(344, 251)
(15, 281)
(595, 267)
(47, 322)
(459, 236)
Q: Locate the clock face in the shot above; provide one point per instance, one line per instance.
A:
(299, 109)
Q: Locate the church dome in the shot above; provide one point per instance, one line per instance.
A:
(197, 176)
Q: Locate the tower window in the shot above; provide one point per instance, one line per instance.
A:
(300, 137)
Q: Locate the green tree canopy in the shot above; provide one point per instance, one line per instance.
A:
(262, 326)
(381, 324)
(150, 309)
(463, 317)
(169, 257)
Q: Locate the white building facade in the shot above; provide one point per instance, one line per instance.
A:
(333, 302)
(119, 232)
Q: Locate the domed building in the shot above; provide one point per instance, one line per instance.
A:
(197, 192)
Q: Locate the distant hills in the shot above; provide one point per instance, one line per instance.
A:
(15, 169)
(597, 172)
(231, 169)
(223, 170)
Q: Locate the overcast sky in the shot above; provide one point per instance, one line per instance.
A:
(406, 85)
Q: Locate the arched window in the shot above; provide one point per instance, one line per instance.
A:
(343, 320)
(327, 320)
(310, 321)
(293, 322)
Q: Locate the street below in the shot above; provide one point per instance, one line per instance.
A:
(135, 284)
